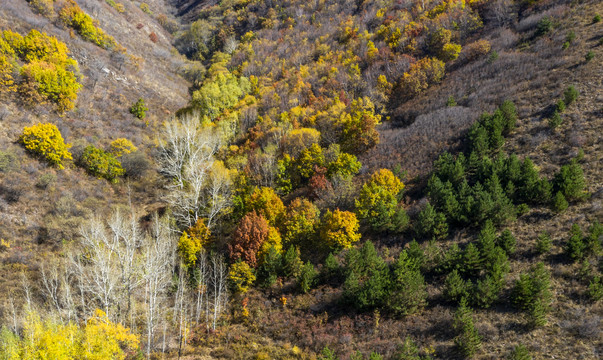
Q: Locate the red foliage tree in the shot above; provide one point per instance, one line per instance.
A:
(248, 238)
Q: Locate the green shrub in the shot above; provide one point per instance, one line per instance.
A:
(544, 26)
(589, 56)
(101, 164)
(46, 141)
(520, 352)
(450, 102)
(138, 109)
(145, 8)
(8, 161)
(45, 180)
(570, 95)
(596, 18)
(493, 56)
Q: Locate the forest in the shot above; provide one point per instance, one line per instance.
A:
(258, 179)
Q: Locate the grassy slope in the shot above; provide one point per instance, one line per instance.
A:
(41, 218)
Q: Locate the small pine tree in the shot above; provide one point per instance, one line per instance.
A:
(570, 181)
(555, 120)
(560, 204)
(455, 287)
(570, 95)
(451, 102)
(471, 260)
(408, 351)
(520, 352)
(537, 313)
(507, 241)
(575, 247)
(331, 271)
(595, 289)
(543, 243)
(292, 262)
(307, 277)
(408, 286)
(468, 340)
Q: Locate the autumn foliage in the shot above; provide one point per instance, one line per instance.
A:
(250, 235)
(46, 141)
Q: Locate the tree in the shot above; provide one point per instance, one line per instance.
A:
(241, 276)
(507, 241)
(570, 181)
(560, 204)
(408, 292)
(377, 203)
(248, 239)
(300, 223)
(543, 243)
(455, 287)
(121, 146)
(468, 340)
(267, 203)
(359, 127)
(575, 247)
(192, 241)
(367, 278)
(431, 224)
(292, 263)
(339, 229)
(307, 277)
(532, 294)
(45, 140)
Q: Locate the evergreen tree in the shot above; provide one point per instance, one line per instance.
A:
(331, 269)
(468, 340)
(292, 262)
(455, 287)
(575, 247)
(472, 262)
(270, 268)
(451, 260)
(407, 293)
(509, 113)
(486, 242)
(408, 351)
(559, 203)
(367, 278)
(307, 277)
(532, 294)
(431, 224)
(570, 181)
(507, 241)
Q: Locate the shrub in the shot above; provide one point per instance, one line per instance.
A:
(81, 22)
(520, 352)
(53, 82)
(153, 37)
(145, 8)
(596, 18)
(339, 229)
(46, 141)
(570, 95)
(544, 26)
(101, 164)
(138, 109)
(135, 164)
(493, 56)
(45, 180)
(589, 56)
(8, 161)
(451, 102)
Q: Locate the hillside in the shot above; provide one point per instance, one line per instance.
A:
(301, 180)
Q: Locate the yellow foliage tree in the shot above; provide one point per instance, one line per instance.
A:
(340, 229)
(192, 241)
(241, 276)
(268, 204)
(45, 140)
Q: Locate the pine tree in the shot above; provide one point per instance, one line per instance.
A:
(455, 287)
(292, 262)
(543, 243)
(471, 260)
(408, 351)
(408, 293)
(307, 277)
(575, 247)
(559, 203)
(486, 242)
(468, 340)
(570, 181)
(431, 224)
(507, 241)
